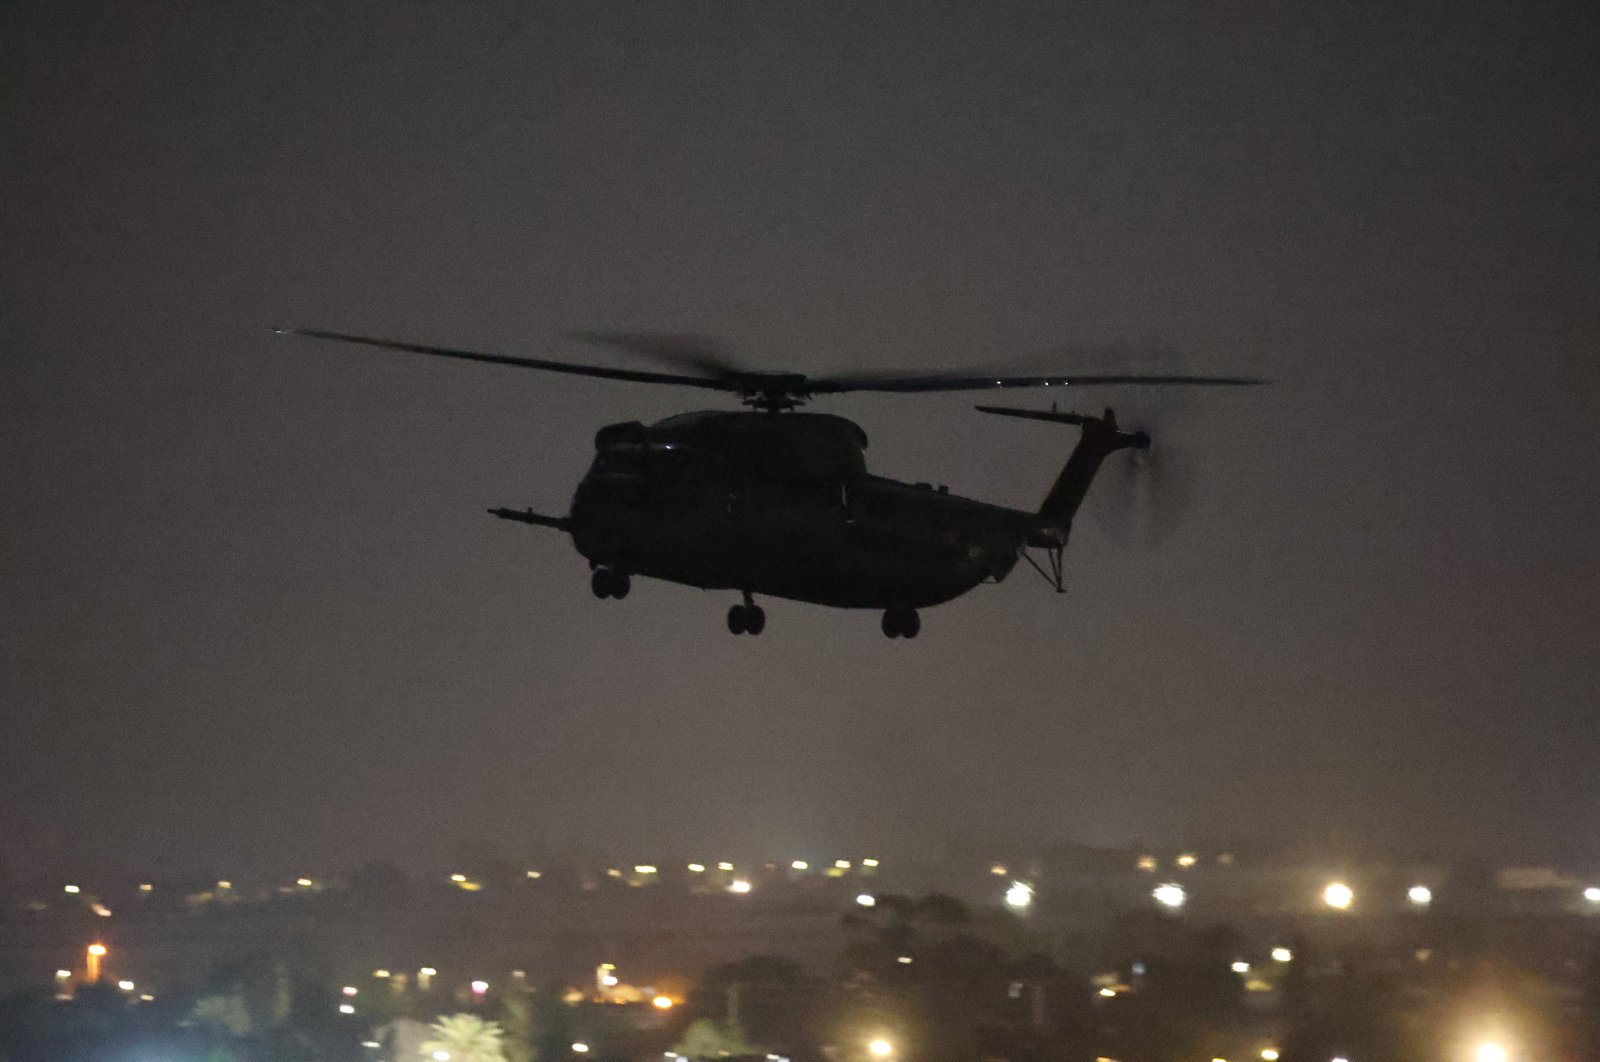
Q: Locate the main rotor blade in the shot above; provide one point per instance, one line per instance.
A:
(572, 368)
(953, 382)
(705, 354)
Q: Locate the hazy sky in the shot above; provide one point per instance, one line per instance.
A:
(253, 611)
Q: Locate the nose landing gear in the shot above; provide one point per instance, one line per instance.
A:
(748, 618)
(610, 582)
(901, 622)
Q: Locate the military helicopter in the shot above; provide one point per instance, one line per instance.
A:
(780, 503)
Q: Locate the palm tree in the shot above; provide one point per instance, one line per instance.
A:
(465, 1038)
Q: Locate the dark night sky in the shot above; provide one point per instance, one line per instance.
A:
(254, 612)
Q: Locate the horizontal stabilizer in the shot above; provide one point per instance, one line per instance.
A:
(528, 516)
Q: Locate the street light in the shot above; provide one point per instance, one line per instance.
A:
(880, 1048)
(1019, 895)
(1338, 895)
(739, 885)
(1419, 895)
(1282, 955)
(866, 899)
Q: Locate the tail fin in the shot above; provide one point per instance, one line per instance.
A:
(1101, 438)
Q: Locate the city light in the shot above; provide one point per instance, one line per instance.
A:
(92, 964)
(866, 899)
(904, 960)
(147, 887)
(381, 973)
(1338, 895)
(1108, 991)
(739, 885)
(869, 862)
(1420, 895)
(661, 1003)
(1269, 1054)
(1187, 860)
(347, 1008)
(304, 883)
(425, 977)
(580, 1048)
(999, 870)
(100, 909)
(880, 1048)
(1147, 862)
(800, 864)
(1019, 895)
(458, 878)
(348, 990)
(441, 1056)
(73, 889)
(62, 975)
(1240, 967)
(480, 987)
(224, 885)
(126, 986)
(534, 875)
(841, 864)
(697, 868)
(1592, 894)
(644, 868)
(724, 866)
(1282, 955)
(1491, 1053)
(1170, 896)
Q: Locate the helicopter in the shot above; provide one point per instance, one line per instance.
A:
(773, 501)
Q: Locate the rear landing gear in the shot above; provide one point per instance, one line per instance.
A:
(901, 622)
(748, 618)
(609, 582)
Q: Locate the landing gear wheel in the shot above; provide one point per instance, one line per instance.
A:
(736, 620)
(609, 582)
(901, 622)
(755, 619)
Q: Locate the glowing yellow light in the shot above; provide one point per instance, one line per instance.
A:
(1241, 967)
(428, 971)
(869, 862)
(470, 886)
(661, 1003)
(1147, 862)
(97, 949)
(841, 864)
(1269, 1054)
(126, 986)
(739, 885)
(1187, 860)
(904, 960)
(1019, 895)
(724, 866)
(304, 883)
(534, 875)
(1338, 895)
(224, 884)
(347, 1008)
(697, 868)
(480, 987)
(581, 1048)
(1491, 1053)
(100, 909)
(71, 888)
(62, 975)
(348, 990)
(458, 878)
(1420, 895)
(381, 973)
(866, 899)
(800, 864)
(147, 887)
(999, 870)
(1592, 894)
(613, 872)
(644, 868)
(1108, 992)
(880, 1048)
(1282, 955)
